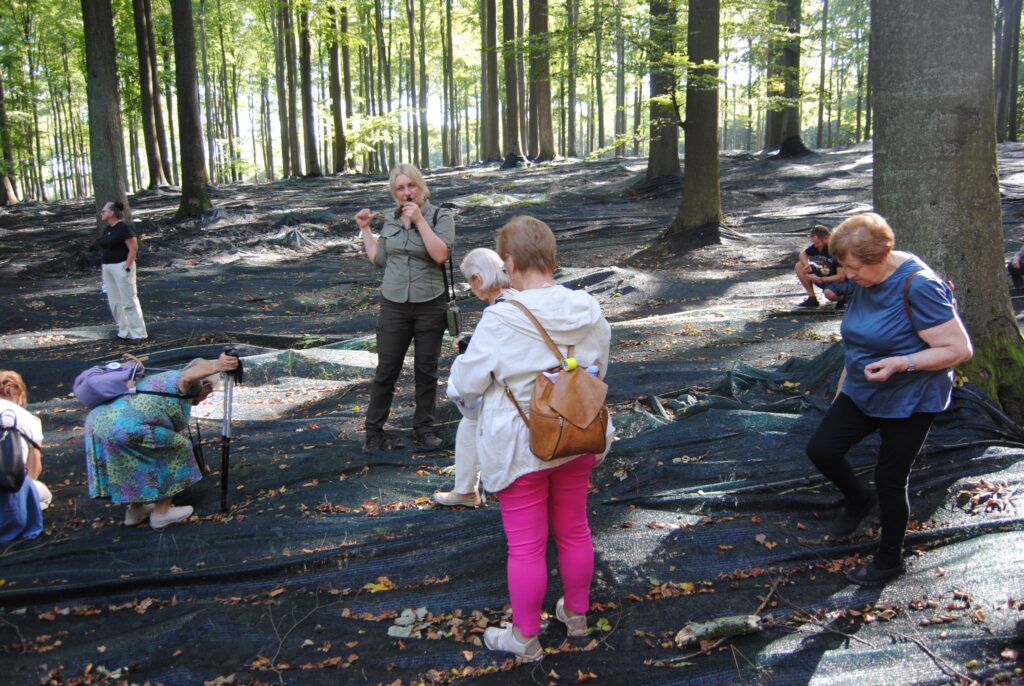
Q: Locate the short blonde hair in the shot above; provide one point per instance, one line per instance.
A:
(530, 243)
(867, 236)
(414, 175)
(12, 387)
(487, 267)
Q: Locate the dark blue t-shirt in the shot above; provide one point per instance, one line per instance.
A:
(875, 326)
(112, 242)
(822, 263)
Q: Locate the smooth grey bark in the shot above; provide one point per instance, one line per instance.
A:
(510, 131)
(276, 23)
(106, 137)
(782, 121)
(1007, 59)
(194, 197)
(308, 116)
(7, 193)
(491, 145)
(340, 144)
(424, 131)
(291, 80)
(821, 76)
(620, 83)
(663, 151)
(150, 95)
(540, 77)
(701, 204)
(572, 22)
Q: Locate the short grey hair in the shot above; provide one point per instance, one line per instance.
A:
(485, 265)
(216, 379)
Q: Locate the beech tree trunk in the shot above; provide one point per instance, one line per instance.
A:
(7, 193)
(340, 144)
(935, 168)
(510, 132)
(572, 21)
(288, 35)
(663, 152)
(308, 116)
(424, 131)
(620, 83)
(540, 75)
(782, 121)
(701, 206)
(150, 95)
(1007, 57)
(276, 24)
(598, 72)
(106, 137)
(491, 146)
(821, 68)
(194, 197)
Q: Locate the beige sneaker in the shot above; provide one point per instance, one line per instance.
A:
(172, 516)
(576, 626)
(505, 640)
(453, 499)
(138, 514)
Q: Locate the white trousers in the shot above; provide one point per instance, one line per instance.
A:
(123, 298)
(467, 473)
(45, 497)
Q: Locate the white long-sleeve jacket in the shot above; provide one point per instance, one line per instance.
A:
(508, 350)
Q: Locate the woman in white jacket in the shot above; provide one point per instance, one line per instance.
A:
(508, 351)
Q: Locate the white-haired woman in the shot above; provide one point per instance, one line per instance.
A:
(485, 272)
(136, 451)
(412, 248)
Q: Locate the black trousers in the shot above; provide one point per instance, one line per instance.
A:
(844, 426)
(398, 325)
(1015, 274)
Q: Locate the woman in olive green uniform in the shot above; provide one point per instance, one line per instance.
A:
(412, 248)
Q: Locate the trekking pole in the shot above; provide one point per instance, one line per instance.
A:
(225, 432)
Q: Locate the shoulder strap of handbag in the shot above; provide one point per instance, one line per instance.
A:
(547, 339)
(449, 283)
(906, 294)
(141, 366)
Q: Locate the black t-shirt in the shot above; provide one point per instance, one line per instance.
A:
(821, 262)
(112, 242)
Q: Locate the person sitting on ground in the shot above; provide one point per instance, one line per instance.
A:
(903, 337)
(508, 352)
(119, 247)
(816, 267)
(485, 273)
(412, 247)
(1014, 268)
(21, 512)
(136, 449)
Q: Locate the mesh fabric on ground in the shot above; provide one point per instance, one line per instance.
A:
(332, 566)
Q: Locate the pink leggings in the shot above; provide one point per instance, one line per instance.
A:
(533, 501)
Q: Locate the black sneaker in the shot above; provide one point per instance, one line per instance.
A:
(377, 441)
(871, 574)
(849, 520)
(809, 303)
(841, 304)
(428, 441)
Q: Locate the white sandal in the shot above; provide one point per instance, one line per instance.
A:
(576, 626)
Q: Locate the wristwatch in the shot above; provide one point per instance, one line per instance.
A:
(910, 363)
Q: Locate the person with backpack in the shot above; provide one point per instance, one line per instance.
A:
(21, 510)
(501, 367)
(137, 450)
(412, 247)
(903, 337)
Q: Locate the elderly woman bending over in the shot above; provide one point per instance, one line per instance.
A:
(903, 337)
(136, 451)
(487, 279)
(507, 352)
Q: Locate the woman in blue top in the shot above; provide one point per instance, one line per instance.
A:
(903, 337)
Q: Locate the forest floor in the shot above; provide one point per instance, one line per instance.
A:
(333, 567)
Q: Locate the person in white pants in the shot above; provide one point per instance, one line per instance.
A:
(119, 247)
(485, 272)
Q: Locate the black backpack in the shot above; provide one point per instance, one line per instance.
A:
(12, 455)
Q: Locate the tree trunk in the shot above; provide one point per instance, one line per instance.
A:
(158, 114)
(340, 144)
(308, 116)
(572, 20)
(491, 146)
(540, 73)
(288, 34)
(821, 67)
(620, 83)
(424, 131)
(277, 29)
(37, 156)
(7, 194)
(207, 95)
(663, 151)
(638, 101)
(169, 104)
(598, 72)
(782, 121)
(194, 198)
(935, 168)
(150, 95)
(510, 131)
(1006, 57)
(701, 208)
(410, 16)
(106, 137)
(227, 99)
(521, 74)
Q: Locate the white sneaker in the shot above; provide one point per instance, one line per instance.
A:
(576, 626)
(172, 516)
(453, 499)
(505, 640)
(137, 515)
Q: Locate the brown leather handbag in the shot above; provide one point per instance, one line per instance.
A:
(568, 416)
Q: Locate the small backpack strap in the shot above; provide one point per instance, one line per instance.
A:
(541, 329)
(519, 408)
